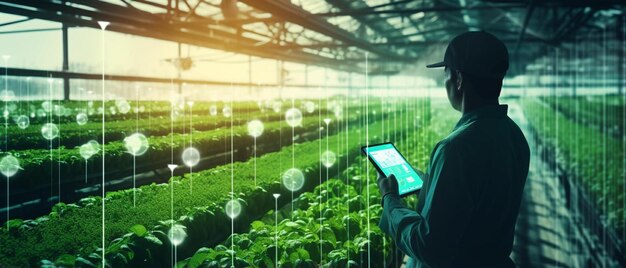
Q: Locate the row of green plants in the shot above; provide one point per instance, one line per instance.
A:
(150, 248)
(590, 111)
(65, 111)
(341, 204)
(72, 134)
(581, 150)
(69, 165)
(75, 229)
(343, 237)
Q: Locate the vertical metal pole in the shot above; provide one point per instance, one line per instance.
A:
(66, 80)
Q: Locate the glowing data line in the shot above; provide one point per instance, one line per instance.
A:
(5, 113)
(8, 204)
(190, 144)
(134, 156)
(103, 25)
(50, 81)
(172, 167)
(255, 161)
(232, 186)
(319, 138)
(367, 140)
(59, 145)
(173, 247)
(293, 151)
(604, 137)
(276, 229)
(6, 120)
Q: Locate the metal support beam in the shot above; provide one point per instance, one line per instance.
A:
(409, 11)
(31, 30)
(136, 22)
(529, 13)
(297, 15)
(129, 78)
(377, 23)
(580, 22)
(14, 22)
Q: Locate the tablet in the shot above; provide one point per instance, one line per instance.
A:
(388, 160)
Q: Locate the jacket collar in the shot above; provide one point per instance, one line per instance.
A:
(483, 112)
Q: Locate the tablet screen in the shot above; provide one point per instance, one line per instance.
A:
(390, 161)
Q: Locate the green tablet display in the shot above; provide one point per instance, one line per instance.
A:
(388, 160)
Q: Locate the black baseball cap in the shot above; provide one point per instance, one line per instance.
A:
(477, 53)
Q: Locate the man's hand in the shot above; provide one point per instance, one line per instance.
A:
(387, 185)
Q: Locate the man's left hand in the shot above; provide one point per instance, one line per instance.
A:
(387, 185)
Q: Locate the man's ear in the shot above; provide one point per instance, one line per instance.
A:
(459, 80)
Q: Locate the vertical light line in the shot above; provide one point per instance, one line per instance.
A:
(605, 132)
(254, 161)
(6, 120)
(347, 159)
(556, 139)
(172, 166)
(293, 142)
(6, 98)
(59, 146)
(327, 124)
(293, 151)
(191, 146)
(103, 25)
(276, 229)
(367, 140)
(576, 117)
(232, 182)
(319, 150)
(135, 157)
(50, 81)
(623, 138)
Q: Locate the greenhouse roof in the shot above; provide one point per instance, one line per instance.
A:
(335, 33)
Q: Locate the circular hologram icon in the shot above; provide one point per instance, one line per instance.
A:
(293, 117)
(49, 131)
(255, 128)
(328, 159)
(9, 165)
(177, 234)
(81, 118)
(293, 179)
(136, 144)
(22, 121)
(233, 208)
(191, 156)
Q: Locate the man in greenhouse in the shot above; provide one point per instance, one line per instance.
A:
(469, 204)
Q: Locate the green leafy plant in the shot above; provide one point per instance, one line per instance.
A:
(580, 150)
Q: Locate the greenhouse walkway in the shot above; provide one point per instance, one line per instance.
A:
(547, 233)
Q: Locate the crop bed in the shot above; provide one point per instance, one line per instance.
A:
(74, 229)
(590, 156)
(590, 111)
